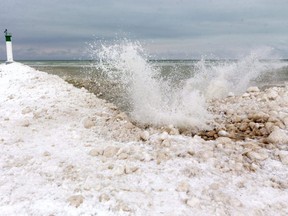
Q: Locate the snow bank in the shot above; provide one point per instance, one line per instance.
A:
(66, 152)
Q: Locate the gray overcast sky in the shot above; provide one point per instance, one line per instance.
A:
(60, 29)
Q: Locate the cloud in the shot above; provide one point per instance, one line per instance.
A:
(205, 26)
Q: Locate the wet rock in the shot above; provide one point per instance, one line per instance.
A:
(253, 125)
(264, 132)
(211, 133)
(236, 119)
(230, 127)
(76, 200)
(243, 126)
(259, 117)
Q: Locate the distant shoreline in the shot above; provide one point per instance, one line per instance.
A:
(150, 60)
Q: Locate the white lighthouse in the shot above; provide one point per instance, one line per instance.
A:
(8, 37)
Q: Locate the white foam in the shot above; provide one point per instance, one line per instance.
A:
(154, 101)
(157, 101)
(218, 80)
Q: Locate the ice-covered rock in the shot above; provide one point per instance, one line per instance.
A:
(193, 202)
(172, 130)
(224, 140)
(25, 123)
(253, 155)
(223, 133)
(88, 123)
(245, 95)
(96, 151)
(183, 186)
(163, 136)
(144, 135)
(76, 200)
(284, 157)
(253, 89)
(130, 169)
(272, 94)
(185, 174)
(278, 136)
(26, 110)
(118, 170)
(259, 117)
(110, 151)
(285, 121)
(104, 197)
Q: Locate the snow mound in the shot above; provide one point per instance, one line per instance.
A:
(66, 152)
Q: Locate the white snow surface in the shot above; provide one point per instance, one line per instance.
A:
(59, 142)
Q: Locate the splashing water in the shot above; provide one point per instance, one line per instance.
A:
(153, 100)
(216, 81)
(158, 101)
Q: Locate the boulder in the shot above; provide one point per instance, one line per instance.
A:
(278, 136)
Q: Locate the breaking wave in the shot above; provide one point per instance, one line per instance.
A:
(156, 100)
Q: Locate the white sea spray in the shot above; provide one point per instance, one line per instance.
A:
(218, 79)
(154, 100)
(158, 101)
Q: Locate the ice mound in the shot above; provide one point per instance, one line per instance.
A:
(66, 152)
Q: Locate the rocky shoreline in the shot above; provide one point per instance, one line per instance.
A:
(66, 152)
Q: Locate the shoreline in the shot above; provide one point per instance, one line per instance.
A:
(64, 151)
